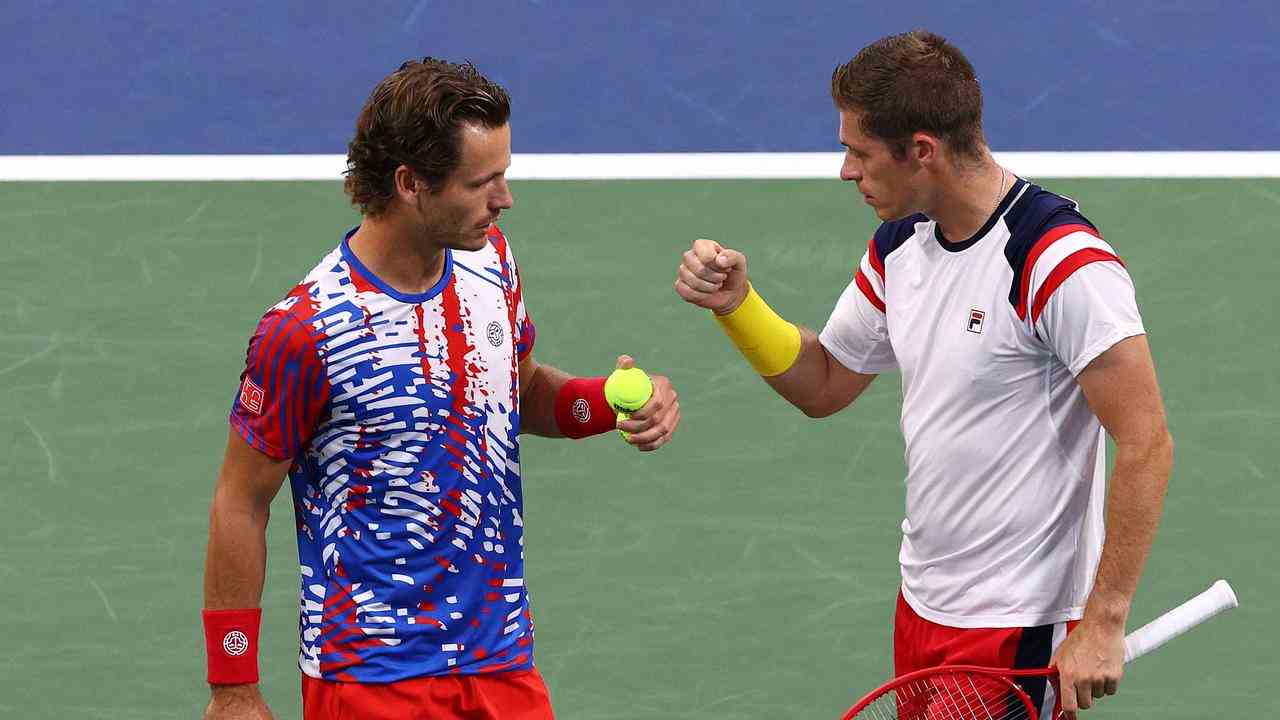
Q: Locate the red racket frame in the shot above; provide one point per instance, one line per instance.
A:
(1005, 675)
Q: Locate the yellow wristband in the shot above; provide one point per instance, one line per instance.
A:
(769, 343)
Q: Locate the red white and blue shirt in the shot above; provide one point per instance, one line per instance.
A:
(401, 415)
(1005, 459)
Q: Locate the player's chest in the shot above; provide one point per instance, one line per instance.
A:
(950, 320)
(456, 349)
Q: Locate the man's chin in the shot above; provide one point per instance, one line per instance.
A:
(890, 214)
(474, 240)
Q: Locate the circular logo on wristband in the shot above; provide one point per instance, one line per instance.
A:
(494, 331)
(235, 643)
(581, 411)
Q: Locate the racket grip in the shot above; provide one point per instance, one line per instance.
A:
(1217, 598)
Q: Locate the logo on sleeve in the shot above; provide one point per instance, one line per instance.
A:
(975, 321)
(581, 411)
(251, 396)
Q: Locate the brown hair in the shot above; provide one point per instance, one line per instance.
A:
(913, 82)
(413, 118)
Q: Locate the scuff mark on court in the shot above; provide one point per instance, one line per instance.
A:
(54, 342)
(105, 603)
(257, 264)
(48, 454)
(198, 212)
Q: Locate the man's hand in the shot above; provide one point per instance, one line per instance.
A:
(651, 426)
(712, 277)
(1090, 663)
(237, 702)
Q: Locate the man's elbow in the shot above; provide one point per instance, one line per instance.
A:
(1166, 448)
(817, 408)
(814, 411)
(1155, 450)
(1159, 444)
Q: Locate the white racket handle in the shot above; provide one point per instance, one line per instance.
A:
(1170, 625)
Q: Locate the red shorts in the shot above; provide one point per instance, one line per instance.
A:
(499, 696)
(919, 643)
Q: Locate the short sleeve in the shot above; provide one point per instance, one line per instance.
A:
(857, 334)
(283, 388)
(1083, 302)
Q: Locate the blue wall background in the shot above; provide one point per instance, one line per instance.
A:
(289, 77)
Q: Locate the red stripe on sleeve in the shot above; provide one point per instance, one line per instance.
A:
(865, 286)
(1049, 238)
(1069, 265)
(874, 256)
(284, 363)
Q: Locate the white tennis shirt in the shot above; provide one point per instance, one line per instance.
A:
(1005, 460)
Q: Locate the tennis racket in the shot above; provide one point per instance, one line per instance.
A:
(964, 692)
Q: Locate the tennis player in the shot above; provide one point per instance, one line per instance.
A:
(392, 386)
(1016, 331)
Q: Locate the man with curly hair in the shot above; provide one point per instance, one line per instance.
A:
(391, 386)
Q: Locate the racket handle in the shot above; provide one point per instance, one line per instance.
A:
(1170, 625)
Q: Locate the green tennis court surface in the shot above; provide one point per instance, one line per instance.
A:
(748, 570)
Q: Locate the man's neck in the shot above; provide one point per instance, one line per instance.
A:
(968, 198)
(391, 250)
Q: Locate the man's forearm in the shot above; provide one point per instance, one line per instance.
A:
(815, 384)
(236, 559)
(537, 402)
(1135, 502)
(802, 383)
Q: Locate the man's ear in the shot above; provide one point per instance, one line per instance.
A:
(925, 148)
(407, 184)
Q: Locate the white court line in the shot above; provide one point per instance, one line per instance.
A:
(628, 166)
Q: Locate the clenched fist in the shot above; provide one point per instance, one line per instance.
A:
(712, 276)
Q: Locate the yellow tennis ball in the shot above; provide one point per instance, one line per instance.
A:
(627, 391)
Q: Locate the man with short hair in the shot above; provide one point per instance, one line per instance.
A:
(391, 386)
(1017, 333)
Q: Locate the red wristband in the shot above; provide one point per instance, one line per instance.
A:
(581, 409)
(231, 643)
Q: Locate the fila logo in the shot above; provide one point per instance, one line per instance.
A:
(235, 643)
(975, 321)
(251, 396)
(581, 411)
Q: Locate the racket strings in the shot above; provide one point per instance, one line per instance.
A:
(951, 696)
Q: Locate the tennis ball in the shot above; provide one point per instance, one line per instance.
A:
(627, 391)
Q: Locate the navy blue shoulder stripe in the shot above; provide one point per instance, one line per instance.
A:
(894, 234)
(1035, 213)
